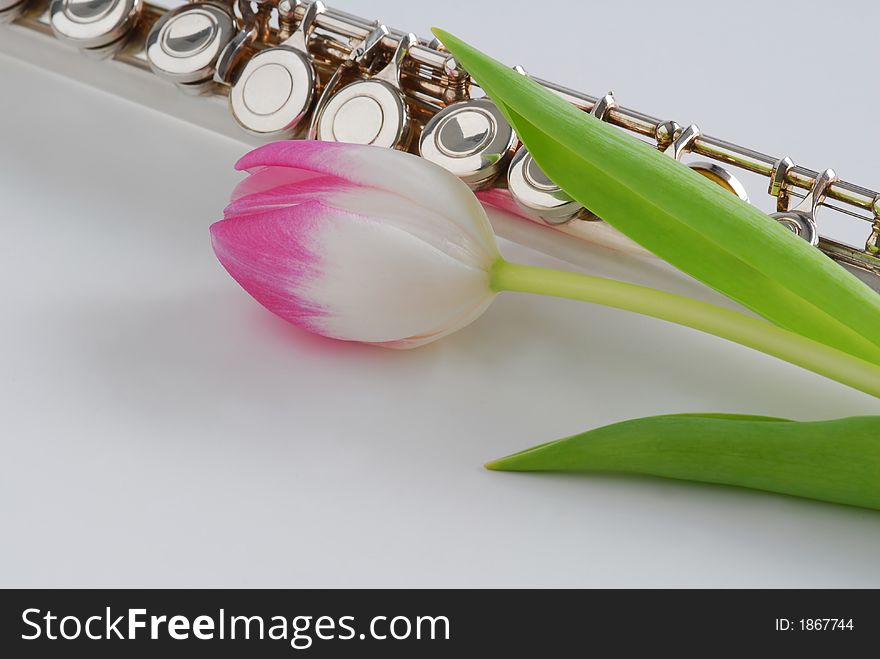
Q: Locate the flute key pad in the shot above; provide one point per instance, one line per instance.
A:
(93, 23)
(534, 192)
(800, 224)
(273, 92)
(371, 111)
(275, 89)
(365, 112)
(471, 139)
(184, 45)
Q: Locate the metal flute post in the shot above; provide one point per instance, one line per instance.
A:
(872, 246)
(356, 27)
(619, 116)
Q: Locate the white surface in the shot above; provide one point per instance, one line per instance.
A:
(159, 428)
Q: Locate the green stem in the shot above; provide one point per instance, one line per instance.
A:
(727, 324)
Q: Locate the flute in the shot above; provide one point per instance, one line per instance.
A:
(294, 69)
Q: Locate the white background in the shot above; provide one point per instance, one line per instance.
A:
(159, 428)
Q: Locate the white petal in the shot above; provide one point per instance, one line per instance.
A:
(379, 283)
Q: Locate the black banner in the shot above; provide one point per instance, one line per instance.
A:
(435, 623)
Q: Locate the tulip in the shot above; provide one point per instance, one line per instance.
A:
(366, 244)
(358, 243)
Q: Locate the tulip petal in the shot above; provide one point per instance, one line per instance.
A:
(401, 288)
(422, 182)
(350, 276)
(426, 224)
(262, 179)
(271, 259)
(288, 194)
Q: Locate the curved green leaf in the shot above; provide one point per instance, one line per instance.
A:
(836, 461)
(681, 216)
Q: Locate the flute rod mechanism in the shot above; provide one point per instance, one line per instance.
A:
(724, 151)
(357, 28)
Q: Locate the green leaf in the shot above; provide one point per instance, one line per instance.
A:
(681, 216)
(836, 461)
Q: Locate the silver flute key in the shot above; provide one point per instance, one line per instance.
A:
(96, 26)
(276, 88)
(372, 111)
(185, 44)
(471, 139)
(358, 55)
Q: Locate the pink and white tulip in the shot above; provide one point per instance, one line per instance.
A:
(358, 243)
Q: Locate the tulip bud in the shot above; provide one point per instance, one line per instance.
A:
(358, 243)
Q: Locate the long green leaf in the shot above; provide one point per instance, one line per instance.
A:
(836, 461)
(681, 216)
